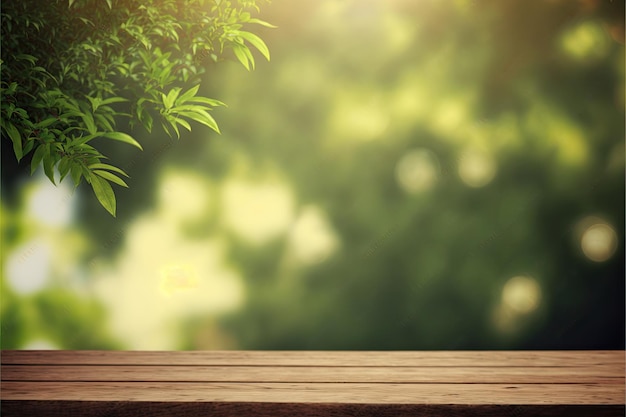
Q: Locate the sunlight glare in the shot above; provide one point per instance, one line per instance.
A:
(257, 212)
(49, 204)
(28, 266)
(183, 195)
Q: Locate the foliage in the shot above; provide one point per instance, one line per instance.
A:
(71, 72)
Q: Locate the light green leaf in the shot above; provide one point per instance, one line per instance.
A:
(104, 193)
(241, 55)
(262, 23)
(168, 100)
(187, 95)
(183, 123)
(122, 137)
(109, 167)
(256, 42)
(203, 117)
(172, 121)
(209, 101)
(111, 177)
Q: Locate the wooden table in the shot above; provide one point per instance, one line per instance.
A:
(319, 383)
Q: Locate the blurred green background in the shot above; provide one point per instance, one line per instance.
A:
(402, 175)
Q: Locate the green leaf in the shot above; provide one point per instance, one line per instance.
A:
(109, 167)
(183, 123)
(256, 42)
(37, 157)
(48, 163)
(76, 173)
(46, 122)
(29, 146)
(122, 137)
(172, 121)
(64, 167)
(95, 102)
(16, 138)
(113, 100)
(85, 21)
(209, 101)
(104, 192)
(110, 4)
(241, 55)
(147, 121)
(26, 57)
(203, 117)
(111, 177)
(104, 121)
(262, 23)
(91, 125)
(168, 100)
(187, 95)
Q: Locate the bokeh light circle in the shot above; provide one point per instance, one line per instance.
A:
(417, 170)
(599, 242)
(521, 294)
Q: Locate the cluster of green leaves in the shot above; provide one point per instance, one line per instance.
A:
(70, 71)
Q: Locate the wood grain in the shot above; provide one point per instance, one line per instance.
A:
(371, 374)
(319, 358)
(239, 383)
(223, 409)
(318, 392)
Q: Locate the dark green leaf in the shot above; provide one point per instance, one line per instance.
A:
(76, 173)
(16, 138)
(37, 157)
(48, 162)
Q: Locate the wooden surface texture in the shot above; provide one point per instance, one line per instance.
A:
(318, 383)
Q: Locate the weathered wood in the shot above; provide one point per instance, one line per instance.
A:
(239, 383)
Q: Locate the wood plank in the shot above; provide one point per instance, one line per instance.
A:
(178, 373)
(222, 409)
(455, 359)
(338, 393)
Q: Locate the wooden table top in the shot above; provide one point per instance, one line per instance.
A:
(315, 383)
